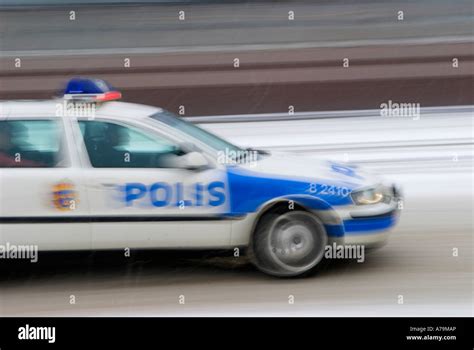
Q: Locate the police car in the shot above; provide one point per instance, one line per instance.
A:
(86, 172)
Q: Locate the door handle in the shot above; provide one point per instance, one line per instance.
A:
(103, 185)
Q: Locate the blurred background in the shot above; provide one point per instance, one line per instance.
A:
(306, 77)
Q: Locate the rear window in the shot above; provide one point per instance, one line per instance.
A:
(31, 144)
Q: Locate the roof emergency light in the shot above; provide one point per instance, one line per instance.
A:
(90, 90)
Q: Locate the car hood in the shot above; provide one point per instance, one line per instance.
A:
(283, 165)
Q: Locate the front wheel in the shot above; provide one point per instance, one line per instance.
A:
(288, 244)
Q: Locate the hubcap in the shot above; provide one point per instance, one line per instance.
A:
(295, 242)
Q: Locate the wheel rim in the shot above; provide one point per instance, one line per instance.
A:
(296, 242)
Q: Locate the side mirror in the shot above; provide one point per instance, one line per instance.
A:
(195, 161)
(191, 161)
(188, 147)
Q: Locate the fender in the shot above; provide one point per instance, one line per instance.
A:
(328, 215)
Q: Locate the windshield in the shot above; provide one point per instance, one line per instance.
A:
(213, 141)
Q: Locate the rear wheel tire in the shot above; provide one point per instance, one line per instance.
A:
(288, 244)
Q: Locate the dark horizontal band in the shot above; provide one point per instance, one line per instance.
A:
(93, 219)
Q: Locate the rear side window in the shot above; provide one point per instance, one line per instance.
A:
(31, 144)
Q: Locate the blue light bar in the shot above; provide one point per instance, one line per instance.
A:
(93, 90)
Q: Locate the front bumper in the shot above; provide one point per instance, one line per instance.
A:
(367, 225)
(370, 231)
(370, 223)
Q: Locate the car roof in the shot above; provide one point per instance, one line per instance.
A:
(49, 108)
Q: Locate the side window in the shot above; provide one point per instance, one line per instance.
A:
(112, 145)
(31, 144)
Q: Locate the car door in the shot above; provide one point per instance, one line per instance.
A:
(137, 201)
(42, 195)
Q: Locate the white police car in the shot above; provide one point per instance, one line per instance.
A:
(85, 172)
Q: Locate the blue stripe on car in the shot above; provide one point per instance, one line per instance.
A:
(334, 230)
(249, 190)
(369, 225)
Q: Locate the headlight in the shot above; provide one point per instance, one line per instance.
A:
(369, 196)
